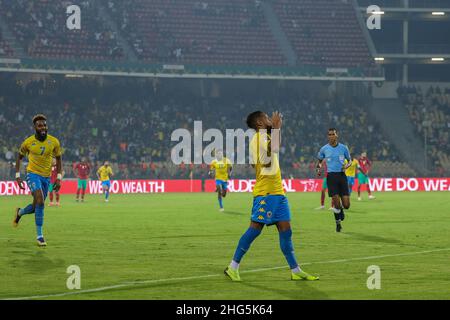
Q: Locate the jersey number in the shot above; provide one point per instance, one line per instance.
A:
(42, 150)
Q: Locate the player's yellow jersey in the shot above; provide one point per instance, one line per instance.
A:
(104, 173)
(221, 168)
(268, 173)
(40, 154)
(351, 171)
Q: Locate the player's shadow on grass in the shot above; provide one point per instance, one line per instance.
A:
(234, 213)
(305, 290)
(37, 261)
(350, 211)
(372, 238)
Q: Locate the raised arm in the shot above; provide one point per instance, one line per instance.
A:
(277, 122)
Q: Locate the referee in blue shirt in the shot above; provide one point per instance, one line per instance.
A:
(335, 154)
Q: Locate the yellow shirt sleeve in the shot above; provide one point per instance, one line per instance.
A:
(57, 149)
(24, 148)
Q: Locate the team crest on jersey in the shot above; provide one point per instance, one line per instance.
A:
(269, 214)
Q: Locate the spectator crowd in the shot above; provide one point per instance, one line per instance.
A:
(130, 121)
(429, 110)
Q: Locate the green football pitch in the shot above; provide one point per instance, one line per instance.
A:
(175, 246)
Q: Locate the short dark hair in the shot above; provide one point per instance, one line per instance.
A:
(252, 118)
(332, 129)
(39, 117)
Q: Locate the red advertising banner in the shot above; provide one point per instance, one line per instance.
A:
(315, 185)
(9, 188)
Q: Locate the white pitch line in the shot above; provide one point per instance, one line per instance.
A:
(134, 283)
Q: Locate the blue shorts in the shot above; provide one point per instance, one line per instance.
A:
(351, 181)
(106, 183)
(36, 182)
(270, 209)
(222, 183)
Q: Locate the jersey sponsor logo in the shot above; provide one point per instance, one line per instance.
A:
(262, 202)
(260, 217)
(261, 210)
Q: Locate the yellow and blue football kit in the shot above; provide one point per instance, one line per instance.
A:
(269, 207)
(105, 173)
(40, 155)
(221, 171)
(270, 204)
(350, 172)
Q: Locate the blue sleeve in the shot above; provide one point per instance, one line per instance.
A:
(321, 154)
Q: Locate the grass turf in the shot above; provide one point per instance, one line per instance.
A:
(175, 246)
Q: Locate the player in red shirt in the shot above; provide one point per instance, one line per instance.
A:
(51, 191)
(364, 166)
(82, 171)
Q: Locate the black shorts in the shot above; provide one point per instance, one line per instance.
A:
(337, 184)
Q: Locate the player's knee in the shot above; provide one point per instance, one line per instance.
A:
(346, 205)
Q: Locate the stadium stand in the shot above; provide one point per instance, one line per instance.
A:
(430, 112)
(324, 32)
(5, 50)
(41, 28)
(132, 130)
(211, 32)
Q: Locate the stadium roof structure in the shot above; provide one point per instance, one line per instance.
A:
(413, 32)
(141, 69)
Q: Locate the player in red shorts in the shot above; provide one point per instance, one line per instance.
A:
(364, 167)
(82, 171)
(53, 193)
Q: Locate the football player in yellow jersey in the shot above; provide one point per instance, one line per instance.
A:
(104, 174)
(270, 205)
(40, 149)
(350, 172)
(222, 168)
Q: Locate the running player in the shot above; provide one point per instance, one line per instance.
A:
(363, 175)
(221, 167)
(335, 155)
(82, 171)
(104, 174)
(351, 173)
(270, 206)
(40, 149)
(53, 193)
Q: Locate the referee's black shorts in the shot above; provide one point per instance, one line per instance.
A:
(337, 184)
